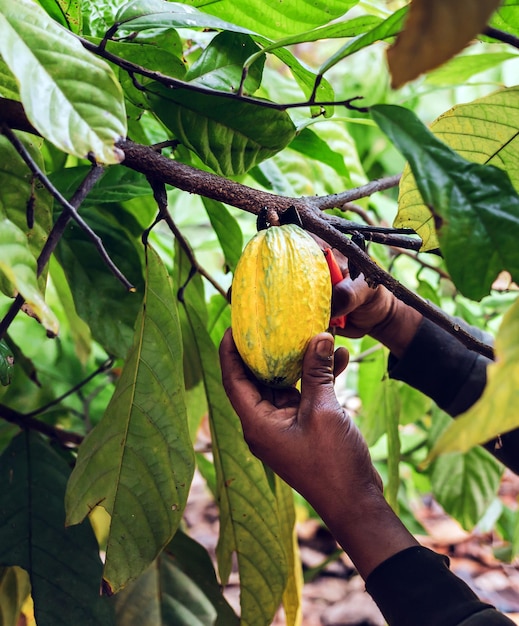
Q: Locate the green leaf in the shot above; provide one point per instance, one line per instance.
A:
(68, 13)
(434, 32)
(483, 131)
(63, 563)
(138, 462)
(8, 84)
(151, 56)
(292, 596)
(390, 406)
(506, 17)
(228, 135)
(79, 330)
(274, 19)
(310, 144)
(495, 412)
(220, 65)
(179, 588)
(390, 27)
(458, 70)
(337, 30)
(14, 589)
(100, 300)
(18, 266)
(465, 484)
(249, 522)
(141, 15)
(69, 95)
(475, 206)
(117, 184)
(6, 363)
(227, 230)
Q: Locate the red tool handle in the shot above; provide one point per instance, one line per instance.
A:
(336, 276)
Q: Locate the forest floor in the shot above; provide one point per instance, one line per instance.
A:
(336, 596)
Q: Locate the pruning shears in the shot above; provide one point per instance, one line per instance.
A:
(336, 276)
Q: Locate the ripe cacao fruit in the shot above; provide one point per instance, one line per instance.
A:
(281, 298)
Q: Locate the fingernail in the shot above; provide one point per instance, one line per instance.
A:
(325, 348)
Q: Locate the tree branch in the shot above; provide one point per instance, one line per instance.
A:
(235, 194)
(147, 161)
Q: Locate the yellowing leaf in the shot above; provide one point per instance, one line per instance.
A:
(18, 266)
(483, 131)
(138, 461)
(435, 31)
(496, 411)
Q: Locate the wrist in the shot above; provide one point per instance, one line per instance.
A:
(398, 327)
(369, 531)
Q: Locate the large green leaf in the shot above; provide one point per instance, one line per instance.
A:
(18, 266)
(228, 135)
(70, 96)
(475, 207)
(435, 30)
(63, 563)
(220, 65)
(14, 589)
(483, 131)
(276, 19)
(249, 521)
(465, 484)
(179, 588)
(496, 411)
(100, 300)
(138, 462)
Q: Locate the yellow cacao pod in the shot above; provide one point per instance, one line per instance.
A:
(281, 298)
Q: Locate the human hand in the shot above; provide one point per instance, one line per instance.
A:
(373, 311)
(307, 438)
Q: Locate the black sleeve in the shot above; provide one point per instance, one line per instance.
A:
(415, 587)
(440, 366)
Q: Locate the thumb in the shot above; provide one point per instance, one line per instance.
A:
(317, 391)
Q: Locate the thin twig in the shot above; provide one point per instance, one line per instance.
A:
(64, 437)
(102, 368)
(335, 200)
(168, 81)
(160, 196)
(501, 35)
(438, 270)
(52, 240)
(96, 240)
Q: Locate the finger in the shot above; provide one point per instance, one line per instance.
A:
(242, 392)
(255, 404)
(350, 294)
(317, 392)
(340, 361)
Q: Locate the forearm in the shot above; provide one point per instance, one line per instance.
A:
(366, 528)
